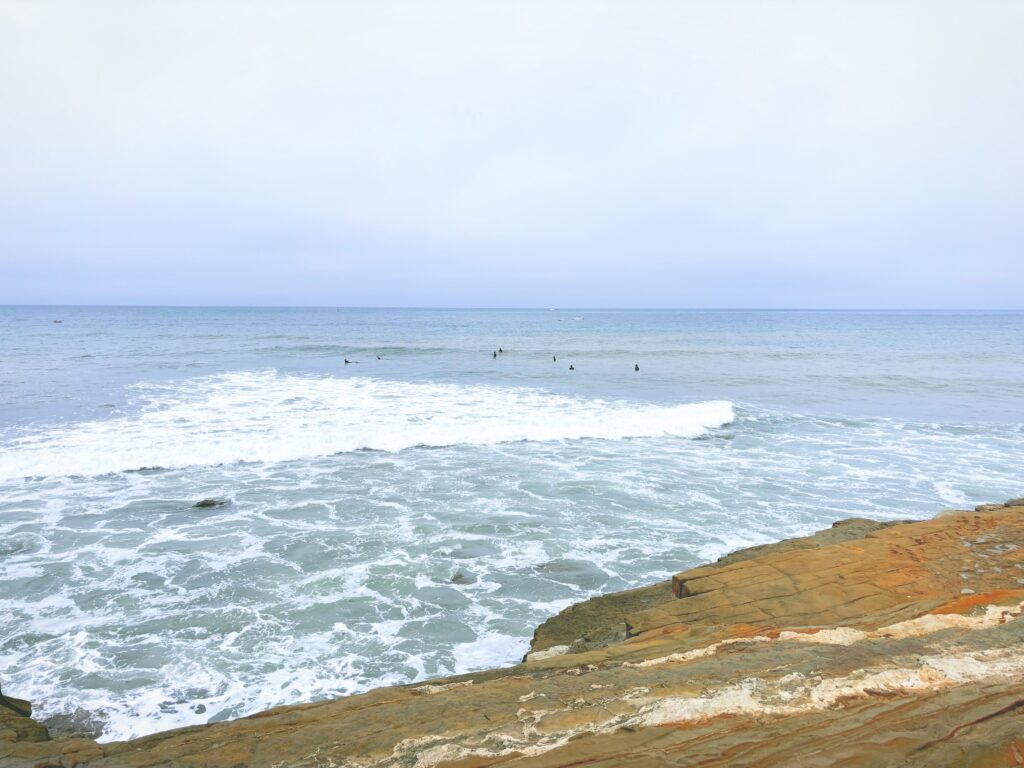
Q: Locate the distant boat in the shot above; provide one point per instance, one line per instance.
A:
(58, 321)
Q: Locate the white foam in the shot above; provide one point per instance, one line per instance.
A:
(271, 417)
(951, 495)
(487, 651)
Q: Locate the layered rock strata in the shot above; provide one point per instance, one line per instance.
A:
(865, 644)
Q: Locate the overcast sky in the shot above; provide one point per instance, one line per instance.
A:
(631, 154)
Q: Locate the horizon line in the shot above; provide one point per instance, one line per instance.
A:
(514, 309)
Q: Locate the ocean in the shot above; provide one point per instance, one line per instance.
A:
(419, 510)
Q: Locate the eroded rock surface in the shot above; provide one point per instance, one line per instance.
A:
(866, 644)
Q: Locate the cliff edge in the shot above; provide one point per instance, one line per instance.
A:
(865, 644)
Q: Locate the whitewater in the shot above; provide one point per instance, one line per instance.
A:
(264, 416)
(418, 512)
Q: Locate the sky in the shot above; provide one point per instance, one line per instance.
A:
(839, 154)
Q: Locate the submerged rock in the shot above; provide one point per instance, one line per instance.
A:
(81, 723)
(206, 503)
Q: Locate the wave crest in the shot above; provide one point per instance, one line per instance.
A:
(269, 417)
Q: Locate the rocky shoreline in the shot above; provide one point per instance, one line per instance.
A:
(865, 644)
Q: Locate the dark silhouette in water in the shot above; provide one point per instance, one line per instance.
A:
(501, 351)
(572, 367)
(347, 361)
(378, 357)
(494, 355)
(554, 359)
(636, 366)
(207, 503)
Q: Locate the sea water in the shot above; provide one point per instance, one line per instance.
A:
(418, 511)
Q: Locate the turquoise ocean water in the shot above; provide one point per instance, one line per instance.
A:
(419, 514)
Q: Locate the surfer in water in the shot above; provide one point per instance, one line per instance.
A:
(572, 367)
(636, 366)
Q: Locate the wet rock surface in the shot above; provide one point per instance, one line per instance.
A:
(865, 644)
(81, 723)
(210, 503)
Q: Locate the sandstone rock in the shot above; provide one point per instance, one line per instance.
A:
(16, 723)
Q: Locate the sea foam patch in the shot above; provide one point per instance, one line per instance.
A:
(270, 417)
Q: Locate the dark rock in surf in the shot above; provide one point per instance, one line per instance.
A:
(80, 724)
(207, 503)
(462, 577)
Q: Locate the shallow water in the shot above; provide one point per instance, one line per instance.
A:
(418, 515)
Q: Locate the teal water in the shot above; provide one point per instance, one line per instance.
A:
(417, 515)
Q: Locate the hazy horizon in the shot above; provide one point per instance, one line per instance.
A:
(585, 154)
(522, 308)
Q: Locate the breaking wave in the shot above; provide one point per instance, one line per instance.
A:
(270, 417)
